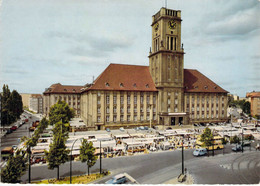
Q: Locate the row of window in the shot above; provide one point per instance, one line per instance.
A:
(128, 99)
(128, 118)
(207, 99)
(65, 98)
(122, 110)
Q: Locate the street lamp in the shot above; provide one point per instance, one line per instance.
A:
(71, 159)
(182, 158)
(100, 171)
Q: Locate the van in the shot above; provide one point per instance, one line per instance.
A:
(200, 152)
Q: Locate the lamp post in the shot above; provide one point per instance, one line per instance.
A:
(100, 157)
(29, 159)
(182, 158)
(71, 159)
(242, 140)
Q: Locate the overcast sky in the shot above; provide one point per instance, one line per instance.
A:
(69, 41)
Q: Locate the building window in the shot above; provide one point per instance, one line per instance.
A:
(198, 116)
(121, 118)
(128, 109)
(114, 100)
(107, 118)
(154, 109)
(142, 109)
(107, 84)
(154, 117)
(142, 117)
(98, 119)
(148, 99)
(148, 109)
(121, 100)
(121, 110)
(135, 118)
(121, 85)
(114, 110)
(98, 102)
(169, 101)
(98, 94)
(176, 109)
(135, 109)
(135, 99)
(98, 110)
(169, 109)
(142, 100)
(128, 118)
(107, 98)
(128, 99)
(154, 99)
(114, 118)
(176, 101)
(148, 117)
(107, 110)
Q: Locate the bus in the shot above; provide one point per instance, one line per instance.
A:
(217, 143)
(7, 152)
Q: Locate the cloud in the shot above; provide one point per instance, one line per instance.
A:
(91, 44)
(240, 23)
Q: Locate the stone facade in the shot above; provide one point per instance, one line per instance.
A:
(254, 99)
(36, 103)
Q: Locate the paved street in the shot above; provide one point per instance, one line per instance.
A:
(12, 139)
(159, 167)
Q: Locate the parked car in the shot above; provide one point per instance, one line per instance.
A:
(246, 143)
(237, 148)
(137, 128)
(141, 128)
(26, 120)
(122, 129)
(152, 149)
(108, 130)
(13, 128)
(200, 152)
(146, 128)
(118, 179)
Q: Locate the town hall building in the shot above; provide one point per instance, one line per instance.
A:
(163, 93)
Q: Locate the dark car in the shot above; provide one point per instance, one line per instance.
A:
(237, 148)
(146, 128)
(118, 179)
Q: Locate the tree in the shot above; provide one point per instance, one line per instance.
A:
(58, 153)
(60, 112)
(15, 168)
(235, 139)
(246, 107)
(206, 137)
(87, 153)
(11, 104)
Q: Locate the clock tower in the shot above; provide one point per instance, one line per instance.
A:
(166, 66)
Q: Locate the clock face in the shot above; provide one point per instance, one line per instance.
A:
(172, 24)
(156, 27)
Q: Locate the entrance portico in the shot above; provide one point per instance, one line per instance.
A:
(173, 119)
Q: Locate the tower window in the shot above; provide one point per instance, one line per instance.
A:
(171, 45)
(175, 44)
(107, 84)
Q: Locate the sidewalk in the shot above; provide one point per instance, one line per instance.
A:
(189, 181)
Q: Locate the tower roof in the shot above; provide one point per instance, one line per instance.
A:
(124, 78)
(194, 81)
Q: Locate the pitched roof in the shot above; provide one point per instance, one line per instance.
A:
(194, 81)
(253, 94)
(124, 77)
(63, 89)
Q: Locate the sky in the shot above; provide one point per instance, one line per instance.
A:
(43, 42)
